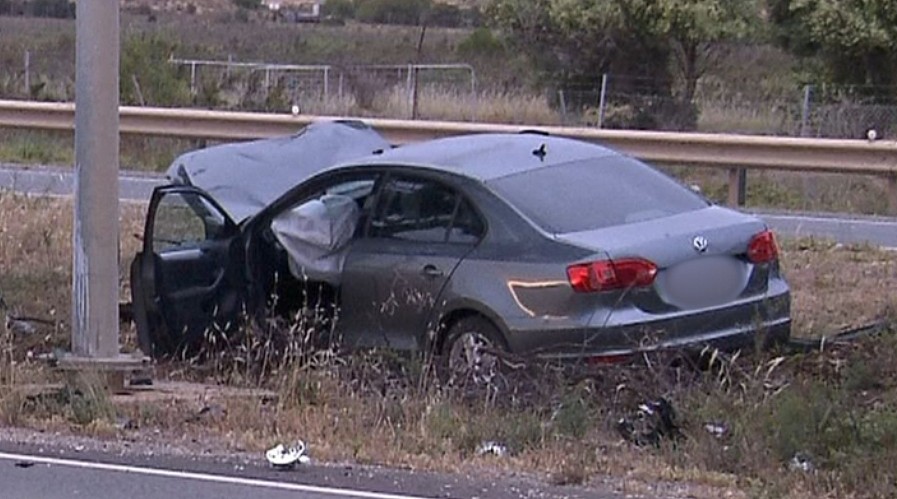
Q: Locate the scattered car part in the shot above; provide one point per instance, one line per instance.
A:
(802, 462)
(718, 430)
(652, 422)
(286, 458)
(492, 448)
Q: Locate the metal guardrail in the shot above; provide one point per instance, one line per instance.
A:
(733, 152)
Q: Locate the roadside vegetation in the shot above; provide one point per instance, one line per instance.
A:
(763, 425)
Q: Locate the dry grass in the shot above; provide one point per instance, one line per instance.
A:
(838, 286)
(36, 253)
(436, 103)
(832, 193)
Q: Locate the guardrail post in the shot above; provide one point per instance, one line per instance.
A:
(737, 186)
(892, 194)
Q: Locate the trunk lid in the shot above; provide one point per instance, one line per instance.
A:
(700, 257)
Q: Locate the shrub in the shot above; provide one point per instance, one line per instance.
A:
(248, 4)
(480, 43)
(445, 15)
(338, 9)
(145, 71)
(63, 9)
(408, 12)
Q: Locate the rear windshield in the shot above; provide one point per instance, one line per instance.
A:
(595, 193)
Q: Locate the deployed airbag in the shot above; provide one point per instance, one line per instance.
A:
(316, 235)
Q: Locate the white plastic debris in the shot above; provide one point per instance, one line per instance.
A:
(801, 462)
(492, 448)
(716, 429)
(282, 457)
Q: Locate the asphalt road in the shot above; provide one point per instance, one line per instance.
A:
(56, 472)
(137, 186)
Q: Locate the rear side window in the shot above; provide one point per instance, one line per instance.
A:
(595, 193)
(424, 211)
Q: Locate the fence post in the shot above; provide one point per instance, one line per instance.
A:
(563, 102)
(193, 78)
(339, 89)
(414, 89)
(409, 88)
(473, 94)
(267, 82)
(602, 100)
(805, 112)
(28, 73)
(326, 82)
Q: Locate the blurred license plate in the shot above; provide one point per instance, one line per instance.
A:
(704, 281)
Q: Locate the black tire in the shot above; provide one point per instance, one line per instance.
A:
(471, 350)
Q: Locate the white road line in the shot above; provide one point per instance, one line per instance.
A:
(203, 477)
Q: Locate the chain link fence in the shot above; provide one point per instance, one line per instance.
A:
(848, 111)
(453, 92)
(823, 111)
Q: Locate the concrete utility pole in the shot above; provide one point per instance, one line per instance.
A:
(95, 322)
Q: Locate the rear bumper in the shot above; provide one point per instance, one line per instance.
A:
(746, 325)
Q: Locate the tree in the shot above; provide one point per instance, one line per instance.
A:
(408, 12)
(146, 77)
(855, 39)
(700, 32)
(62, 9)
(339, 9)
(657, 40)
(248, 4)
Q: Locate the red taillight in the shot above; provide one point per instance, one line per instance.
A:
(763, 248)
(607, 275)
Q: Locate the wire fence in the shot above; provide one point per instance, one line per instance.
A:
(453, 92)
(816, 110)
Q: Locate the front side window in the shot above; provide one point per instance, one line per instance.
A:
(424, 210)
(185, 219)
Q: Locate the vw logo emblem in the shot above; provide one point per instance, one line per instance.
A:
(700, 244)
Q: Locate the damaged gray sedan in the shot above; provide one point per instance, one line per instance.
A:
(531, 244)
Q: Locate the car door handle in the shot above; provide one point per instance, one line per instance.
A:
(431, 271)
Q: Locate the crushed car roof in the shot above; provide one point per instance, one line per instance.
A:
(491, 156)
(245, 177)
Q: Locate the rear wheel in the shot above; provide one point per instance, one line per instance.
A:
(471, 351)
